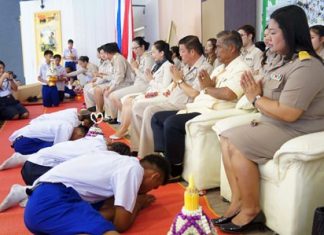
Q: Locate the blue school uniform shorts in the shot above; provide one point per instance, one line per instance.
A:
(25, 145)
(55, 209)
(50, 96)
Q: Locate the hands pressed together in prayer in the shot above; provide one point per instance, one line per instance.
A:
(250, 87)
(205, 80)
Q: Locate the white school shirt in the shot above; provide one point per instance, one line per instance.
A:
(56, 131)
(68, 115)
(43, 71)
(66, 53)
(100, 175)
(60, 72)
(5, 89)
(61, 152)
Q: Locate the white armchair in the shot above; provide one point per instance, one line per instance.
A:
(202, 150)
(291, 183)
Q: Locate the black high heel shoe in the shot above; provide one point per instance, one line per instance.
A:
(256, 223)
(223, 219)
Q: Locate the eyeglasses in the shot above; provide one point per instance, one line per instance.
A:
(242, 35)
(134, 48)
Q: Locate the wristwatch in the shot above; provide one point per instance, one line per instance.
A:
(180, 82)
(255, 99)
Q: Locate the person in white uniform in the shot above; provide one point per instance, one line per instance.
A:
(62, 200)
(34, 137)
(250, 53)
(72, 115)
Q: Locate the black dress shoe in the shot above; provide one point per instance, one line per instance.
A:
(111, 120)
(223, 220)
(256, 223)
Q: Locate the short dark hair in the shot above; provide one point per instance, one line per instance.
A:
(292, 21)
(141, 42)
(163, 46)
(160, 163)
(249, 29)
(84, 130)
(70, 41)
(119, 147)
(2, 63)
(111, 48)
(48, 52)
(318, 29)
(99, 48)
(84, 58)
(57, 56)
(231, 38)
(192, 42)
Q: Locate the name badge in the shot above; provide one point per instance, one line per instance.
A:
(276, 77)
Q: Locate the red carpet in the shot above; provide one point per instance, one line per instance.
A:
(153, 220)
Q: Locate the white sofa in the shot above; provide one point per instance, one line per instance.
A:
(202, 150)
(291, 184)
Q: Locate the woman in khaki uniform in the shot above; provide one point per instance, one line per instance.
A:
(291, 101)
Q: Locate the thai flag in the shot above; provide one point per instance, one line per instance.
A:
(124, 27)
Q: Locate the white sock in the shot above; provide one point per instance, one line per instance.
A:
(17, 194)
(23, 202)
(15, 160)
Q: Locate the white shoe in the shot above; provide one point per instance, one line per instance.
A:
(15, 160)
(17, 194)
(115, 137)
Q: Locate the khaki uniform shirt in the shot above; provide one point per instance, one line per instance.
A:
(177, 96)
(122, 72)
(299, 84)
(252, 57)
(145, 62)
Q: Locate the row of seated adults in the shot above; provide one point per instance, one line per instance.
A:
(10, 108)
(290, 106)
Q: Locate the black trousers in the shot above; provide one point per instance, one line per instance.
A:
(169, 134)
(31, 172)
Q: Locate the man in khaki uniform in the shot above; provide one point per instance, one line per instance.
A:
(184, 89)
(121, 75)
(250, 54)
(100, 79)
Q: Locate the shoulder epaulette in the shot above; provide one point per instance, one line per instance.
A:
(303, 55)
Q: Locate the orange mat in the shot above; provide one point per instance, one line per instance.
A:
(153, 220)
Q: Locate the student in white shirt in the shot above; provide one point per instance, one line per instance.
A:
(61, 77)
(34, 137)
(72, 115)
(70, 56)
(45, 159)
(60, 202)
(251, 54)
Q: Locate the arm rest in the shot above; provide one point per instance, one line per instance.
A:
(205, 121)
(304, 148)
(231, 122)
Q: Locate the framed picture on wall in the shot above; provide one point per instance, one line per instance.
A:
(48, 33)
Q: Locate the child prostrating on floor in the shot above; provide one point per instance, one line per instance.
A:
(63, 198)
